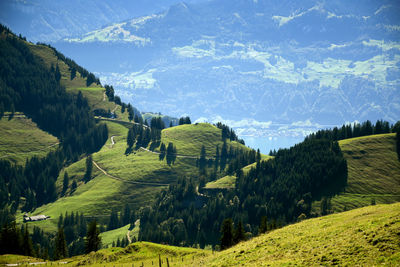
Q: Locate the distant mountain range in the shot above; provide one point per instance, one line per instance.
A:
(264, 67)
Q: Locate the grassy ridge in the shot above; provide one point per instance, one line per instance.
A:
(189, 138)
(20, 138)
(362, 237)
(373, 172)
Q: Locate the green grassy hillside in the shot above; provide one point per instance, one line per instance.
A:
(134, 179)
(367, 236)
(189, 138)
(364, 237)
(373, 172)
(20, 138)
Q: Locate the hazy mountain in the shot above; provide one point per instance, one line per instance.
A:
(49, 20)
(263, 66)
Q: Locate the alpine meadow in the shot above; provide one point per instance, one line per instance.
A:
(199, 133)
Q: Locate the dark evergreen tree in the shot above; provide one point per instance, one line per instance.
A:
(93, 239)
(89, 168)
(263, 225)
(239, 233)
(65, 183)
(27, 246)
(61, 251)
(73, 73)
(226, 234)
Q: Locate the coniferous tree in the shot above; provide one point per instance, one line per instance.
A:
(27, 247)
(226, 234)
(61, 251)
(73, 73)
(89, 168)
(65, 183)
(263, 225)
(93, 239)
(130, 140)
(74, 185)
(239, 233)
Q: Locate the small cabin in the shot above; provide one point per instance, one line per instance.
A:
(35, 218)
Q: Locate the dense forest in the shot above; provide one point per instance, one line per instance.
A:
(280, 189)
(26, 85)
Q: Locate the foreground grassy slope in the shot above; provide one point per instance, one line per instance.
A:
(20, 138)
(367, 236)
(363, 237)
(373, 172)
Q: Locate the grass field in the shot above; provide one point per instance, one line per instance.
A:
(373, 172)
(362, 237)
(189, 138)
(366, 236)
(20, 138)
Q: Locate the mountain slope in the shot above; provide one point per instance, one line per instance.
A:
(373, 172)
(367, 236)
(20, 139)
(133, 179)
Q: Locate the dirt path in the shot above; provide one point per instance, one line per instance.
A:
(126, 181)
(129, 237)
(177, 155)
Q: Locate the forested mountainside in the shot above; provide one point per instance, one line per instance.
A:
(29, 87)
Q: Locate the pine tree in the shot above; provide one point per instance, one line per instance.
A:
(74, 185)
(27, 246)
(65, 183)
(61, 245)
(130, 140)
(89, 168)
(226, 234)
(239, 233)
(93, 239)
(263, 225)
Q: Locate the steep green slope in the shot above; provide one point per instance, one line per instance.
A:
(362, 237)
(20, 138)
(373, 172)
(94, 93)
(367, 236)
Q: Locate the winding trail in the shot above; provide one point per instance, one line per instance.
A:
(129, 237)
(177, 155)
(126, 181)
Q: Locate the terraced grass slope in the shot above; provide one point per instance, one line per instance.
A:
(373, 172)
(366, 236)
(20, 139)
